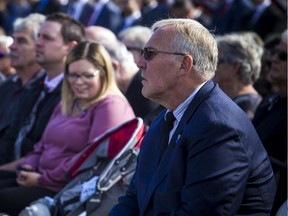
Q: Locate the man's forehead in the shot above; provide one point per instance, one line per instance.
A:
(22, 33)
(48, 25)
(25, 34)
(161, 36)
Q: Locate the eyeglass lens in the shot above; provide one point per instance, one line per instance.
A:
(147, 54)
(85, 77)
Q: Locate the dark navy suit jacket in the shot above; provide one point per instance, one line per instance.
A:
(215, 164)
(109, 17)
(85, 15)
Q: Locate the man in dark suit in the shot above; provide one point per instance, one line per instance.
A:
(265, 19)
(79, 9)
(214, 164)
(274, 109)
(106, 14)
(160, 11)
(229, 16)
(131, 14)
(53, 34)
(28, 71)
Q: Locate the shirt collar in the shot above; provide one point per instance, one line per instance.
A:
(53, 83)
(179, 111)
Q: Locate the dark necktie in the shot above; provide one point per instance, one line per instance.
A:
(167, 127)
(28, 126)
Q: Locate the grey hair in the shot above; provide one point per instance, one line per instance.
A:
(139, 35)
(118, 51)
(194, 39)
(6, 41)
(255, 41)
(33, 22)
(240, 48)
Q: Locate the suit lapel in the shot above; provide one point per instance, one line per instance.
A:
(161, 171)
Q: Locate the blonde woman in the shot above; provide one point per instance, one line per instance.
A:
(91, 103)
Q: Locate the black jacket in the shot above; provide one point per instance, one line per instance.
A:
(25, 106)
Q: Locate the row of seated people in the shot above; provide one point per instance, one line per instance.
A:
(264, 16)
(90, 103)
(126, 73)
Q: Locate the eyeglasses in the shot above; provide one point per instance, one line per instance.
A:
(281, 55)
(148, 54)
(133, 49)
(85, 77)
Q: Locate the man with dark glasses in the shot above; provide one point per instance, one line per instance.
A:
(270, 121)
(201, 155)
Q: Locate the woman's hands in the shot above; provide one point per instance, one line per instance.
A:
(27, 177)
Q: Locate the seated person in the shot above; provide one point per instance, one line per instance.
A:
(239, 65)
(270, 121)
(91, 103)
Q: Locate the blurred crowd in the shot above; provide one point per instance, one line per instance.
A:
(41, 79)
(222, 16)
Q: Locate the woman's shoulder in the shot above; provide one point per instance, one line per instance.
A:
(113, 98)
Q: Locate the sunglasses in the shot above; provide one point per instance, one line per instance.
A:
(133, 48)
(149, 54)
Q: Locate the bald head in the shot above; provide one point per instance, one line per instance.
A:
(99, 34)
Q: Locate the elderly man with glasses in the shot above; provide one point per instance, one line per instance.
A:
(270, 121)
(201, 155)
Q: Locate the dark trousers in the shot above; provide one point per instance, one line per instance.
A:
(14, 198)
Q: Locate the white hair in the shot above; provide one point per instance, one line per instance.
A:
(6, 41)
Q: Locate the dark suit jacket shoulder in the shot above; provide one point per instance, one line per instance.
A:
(215, 164)
(110, 17)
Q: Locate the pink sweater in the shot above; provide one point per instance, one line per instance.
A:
(65, 136)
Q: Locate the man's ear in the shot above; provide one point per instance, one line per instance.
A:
(116, 66)
(187, 63)
(71, 44)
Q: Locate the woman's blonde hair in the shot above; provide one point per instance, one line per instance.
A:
(99, 57)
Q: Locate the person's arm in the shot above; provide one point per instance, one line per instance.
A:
(12, 166)
(32, 159)
(109, 113)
